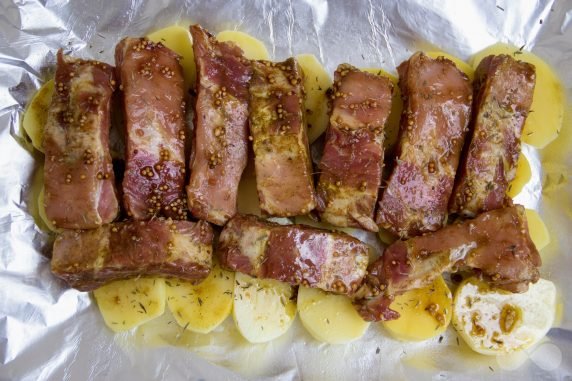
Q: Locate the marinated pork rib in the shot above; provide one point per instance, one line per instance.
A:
(352, 161)
(495, 245)
(220, 144)
(78, 173)
(503, 90)
(87, 259)
(153, 96)
(281, 154)
(437, 105)
(295, 254)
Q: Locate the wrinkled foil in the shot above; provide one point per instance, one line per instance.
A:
(51, 332)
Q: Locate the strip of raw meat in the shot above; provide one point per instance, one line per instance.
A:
(437, 105)
(503, 95)
(220, 144)
(295, 254)
(281, 154)
(87, 259)
(153, 96)
(352, 162)
(78, 173)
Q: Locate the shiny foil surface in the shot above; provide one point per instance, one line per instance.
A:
(51, 332)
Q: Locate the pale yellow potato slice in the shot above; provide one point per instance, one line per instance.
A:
(544, 122)
(125, 304)
(263, 308)
(328, 317)
(36, 114)
(537, 229)
(316, 84)
(201, 307)
(494, 322)
(179, 40)
(253, 48)
(424, 313)
(462, 65)
(522, 176)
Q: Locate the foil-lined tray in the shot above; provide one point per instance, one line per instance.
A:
(51, 332)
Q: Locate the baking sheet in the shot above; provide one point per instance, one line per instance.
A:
(49, 332)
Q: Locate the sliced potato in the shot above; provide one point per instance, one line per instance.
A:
(523, 175)
(462, 65)
(496, 322)
(42, 212)
(392, 125)
(36, 114)
(201, 307)
(125, 304)
(316, 84)
(178, 39)
(263, 308)
(328, 317)
(537, 229)
(544, 122)
(424, 313)
(253, 48)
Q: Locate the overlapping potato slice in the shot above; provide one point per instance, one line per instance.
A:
(316, 84)
(263, 308)
(36, 114)
(125, 304)
(496, 322)
(328, 317)
(253, 48)
(537, 229)
(201, 307)
(523, 175)
(424, 313)
(178, 39)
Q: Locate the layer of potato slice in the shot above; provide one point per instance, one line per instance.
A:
(316, 84)
(537, 229)
(523, 175)
(36, 114)
(125, 304)
(178, 39)
(547, 111)
(253, 48)
(263, 309)
(424, 313)
(328, 317)
(495, 322)
(42, 212)
(201, 307)
(462, 65)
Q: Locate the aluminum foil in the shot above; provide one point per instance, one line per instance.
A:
(50, 332)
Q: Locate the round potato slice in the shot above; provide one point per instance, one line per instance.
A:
(424, 313)
(42, 212)
(328, 317)
(36, 114)
(537, 229)
(523, 175)
(201, 307)
(544, 121)
(253, 48)
(494, 322)
(125, 304)
(462, 65)
(263, 308)
(178, 39)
